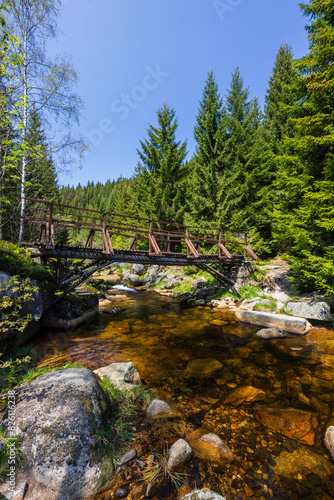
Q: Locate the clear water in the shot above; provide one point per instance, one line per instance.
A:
(162, 338)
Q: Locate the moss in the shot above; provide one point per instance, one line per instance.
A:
(17, 261)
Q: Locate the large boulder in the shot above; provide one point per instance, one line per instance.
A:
(294, 424)
(58, 416)
(204, 494)
(72, 312)
(131, 279)
(281, 321)
(36, 307)
(138, 269)
(310, 310)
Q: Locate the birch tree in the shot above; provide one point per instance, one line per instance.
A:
(46, 85)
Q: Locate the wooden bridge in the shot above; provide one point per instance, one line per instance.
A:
(109, 238)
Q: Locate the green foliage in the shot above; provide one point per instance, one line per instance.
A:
(12, 448)
(269, 306)
(160, 179)
(13, 296)
(157, 469)
(118, 432)
(15, 260)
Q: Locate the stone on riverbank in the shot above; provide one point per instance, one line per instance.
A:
(122, 375)
(58, 416)
(310, 310)
(295, 424)
(281, 321)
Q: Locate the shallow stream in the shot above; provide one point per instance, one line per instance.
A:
(163, 338)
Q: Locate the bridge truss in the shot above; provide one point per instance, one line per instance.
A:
(138, 240)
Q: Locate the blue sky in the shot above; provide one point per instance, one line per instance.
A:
(134, 55)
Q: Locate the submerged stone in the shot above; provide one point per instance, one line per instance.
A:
(203, 367)
(245, 394)
(329, 440)
(295, 424)
(271, 333)
(302, 461)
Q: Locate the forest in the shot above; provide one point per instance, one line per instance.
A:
(268, 172)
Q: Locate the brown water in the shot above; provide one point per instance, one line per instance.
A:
(162, 338)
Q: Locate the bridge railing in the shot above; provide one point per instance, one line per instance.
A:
(104, 231)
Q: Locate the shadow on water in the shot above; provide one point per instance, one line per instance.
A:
(164, 339)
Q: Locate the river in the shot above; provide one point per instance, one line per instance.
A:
(164, 339)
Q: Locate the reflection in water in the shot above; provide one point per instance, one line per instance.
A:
(241, 384)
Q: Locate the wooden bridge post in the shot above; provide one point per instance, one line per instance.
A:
(245, 246)
(107, 246)
(49, 229)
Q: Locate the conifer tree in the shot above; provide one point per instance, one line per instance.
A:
(210, 136)
(159, 183)
(243, 120)
(307, 172)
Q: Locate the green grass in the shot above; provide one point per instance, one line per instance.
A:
(119, 430)
(157, 469)
(265, 307)
(220, 294)
(250, 292)
(17, 261)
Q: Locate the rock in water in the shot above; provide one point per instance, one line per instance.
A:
(281, 321)
(58, 416)
(271, 333)
(203, 367)
(245, 394)
(302, 461)
(158, 407)
(211, 448)
(113, 310)
(202, 495)
(329, 440)
(295, 424)
(179, 454)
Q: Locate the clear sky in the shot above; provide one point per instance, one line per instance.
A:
(134, 55)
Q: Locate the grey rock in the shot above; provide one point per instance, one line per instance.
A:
(203, 293)
(71, 313)
(58, 416)
(21, 491)
(121, 493)
(153, 269)
(132, 279)
(200, 302)
(248, 305)
(202, 495)
(127, 457)
(149, 278)
(271, 333)
(170, 283)
(329, 440)
(310, 310)
(179, 454)
(198, 283)
(281, 321)
(123, 375)
(138, 269)
(157, 407)
(151, 491)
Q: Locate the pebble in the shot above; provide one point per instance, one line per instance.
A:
(127, 457)
(121, 493)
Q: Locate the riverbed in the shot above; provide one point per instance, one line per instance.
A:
(164, 339)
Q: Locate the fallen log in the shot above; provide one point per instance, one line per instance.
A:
(282, 321)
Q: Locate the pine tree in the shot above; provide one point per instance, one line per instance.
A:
(206, 167)
(160, 174)
(243, 120)
(308, 169)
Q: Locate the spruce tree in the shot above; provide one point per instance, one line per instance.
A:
(308, 170)
(160, 174)
(243, 120)
(206, 166)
